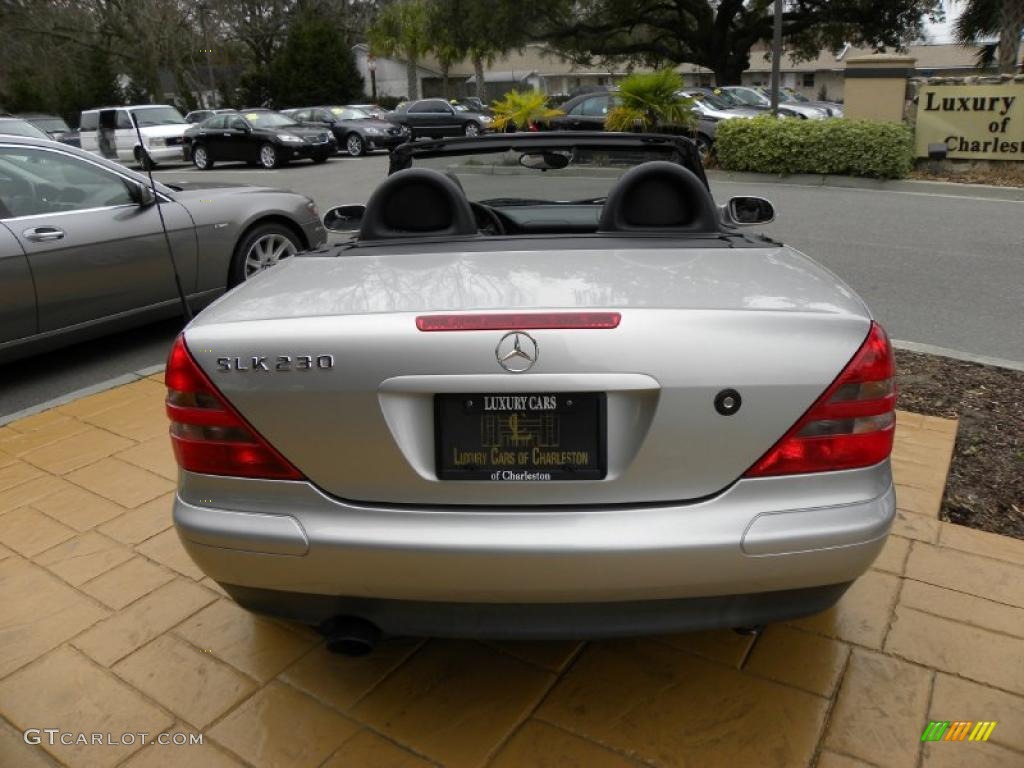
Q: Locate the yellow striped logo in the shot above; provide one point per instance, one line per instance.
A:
(958, 730)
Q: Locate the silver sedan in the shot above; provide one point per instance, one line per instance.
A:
(82, 250)
(548, 388)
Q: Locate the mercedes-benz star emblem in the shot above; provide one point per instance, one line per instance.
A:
(516, 352)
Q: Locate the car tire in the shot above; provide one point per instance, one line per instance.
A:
(258, 249)
(355, 145)
(201, 158)
(144, 160)
(269, 157)
(472, 128)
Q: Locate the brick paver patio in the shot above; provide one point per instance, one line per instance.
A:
(106, 626)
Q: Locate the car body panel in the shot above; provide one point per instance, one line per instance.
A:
(376, 133)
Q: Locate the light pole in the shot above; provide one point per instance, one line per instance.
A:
(776, 56)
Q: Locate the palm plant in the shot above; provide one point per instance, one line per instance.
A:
(648, 100)
(987, 19)
(520, 109)
(403, 28)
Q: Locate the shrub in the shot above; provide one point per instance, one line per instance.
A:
(648, 100)
(837, 146)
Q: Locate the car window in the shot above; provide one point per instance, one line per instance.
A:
(90, 121)
(268, 119)
(423, 106)
(123, 121)
(237, 124)
(216, 123)
(146, 116)
(37, 181)
(596, 106)
(349, 113)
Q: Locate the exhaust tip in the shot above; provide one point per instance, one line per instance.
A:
(351, 636)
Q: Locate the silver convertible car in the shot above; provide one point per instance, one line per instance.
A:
(547, 388)
(82, 249)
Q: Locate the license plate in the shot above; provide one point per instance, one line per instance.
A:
(534, 436)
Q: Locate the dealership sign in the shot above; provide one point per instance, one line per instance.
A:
(975, 122)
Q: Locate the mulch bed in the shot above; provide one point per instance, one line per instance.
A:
(985, 489)
(1010, 175)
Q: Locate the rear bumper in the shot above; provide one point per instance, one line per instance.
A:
(759, 536)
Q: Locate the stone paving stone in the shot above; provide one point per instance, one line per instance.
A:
(916, 527)
(27, 494)
(881, 710)
(137, 525)
(442, 701)
(801, 659)
(893, 557)
(205, 755)
(18, 443)
(974, 755)
(340, 681)
(252, 644)
(67, 691)
(191, 684)
(102, 401)
(862, 615)
(149, 616)
(79, 450)
(978, 702)
(78, 508)
(122, 483)
(14, 752)
(39, 613)
(127, 582)
(647, 700)
(992, 579)
(986, 657)
(722, 645)
(281, 726)
(166, 548)
(29, 532)
(38, 421)
(368, 750)
(551, 655)
(155, 455)
(83, 557)
(834, 760)
(982, 542)
(918, 500)
(541, 745)
(5, 552)
(138, 420)
(962, 607)
(16, 473)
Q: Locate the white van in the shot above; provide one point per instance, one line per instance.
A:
(109, 132)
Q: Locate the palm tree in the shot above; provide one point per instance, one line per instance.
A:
(983, 19)
(648, 100)
(520, 109)
(403, 29)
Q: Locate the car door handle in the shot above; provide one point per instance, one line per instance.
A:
(42, 234)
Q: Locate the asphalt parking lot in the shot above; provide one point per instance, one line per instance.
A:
(943, 270)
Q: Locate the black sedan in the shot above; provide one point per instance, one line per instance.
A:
(258, 137)
(356, 131)
(437, 118)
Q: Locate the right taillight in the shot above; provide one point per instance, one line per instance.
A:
(208, 435)
(849, 426)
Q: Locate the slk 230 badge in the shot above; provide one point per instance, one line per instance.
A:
(276, 363)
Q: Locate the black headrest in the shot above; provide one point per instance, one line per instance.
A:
(414, 203)
(659, 196)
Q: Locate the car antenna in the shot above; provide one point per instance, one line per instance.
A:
(148, 168)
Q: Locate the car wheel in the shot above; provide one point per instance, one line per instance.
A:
(261, 248)
(355, 145)
(201, 158)
(704, 147)
(144, 160)
(471, 129)
(269, 157)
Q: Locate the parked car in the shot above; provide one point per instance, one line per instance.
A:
(373, 110)
(831, 108)
(545, 388)
(198, 115)
(82, 252)
(72, 138)
(438, 118)
(587, 112)
(110, 132)
(52, 125)
(258, 137)
(759, 97)
(715, 108)
(473, 104)
(15, 126)
(355, 131)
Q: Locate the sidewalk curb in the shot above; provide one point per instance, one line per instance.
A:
(949, 188)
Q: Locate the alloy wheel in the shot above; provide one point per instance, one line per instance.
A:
(201, 158)
(354, 145)
(268, 156)
(266, 251)
(472, 129)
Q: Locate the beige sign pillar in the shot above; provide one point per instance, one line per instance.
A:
(875, 87)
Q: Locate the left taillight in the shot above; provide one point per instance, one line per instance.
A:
(850, 426)
(208, 435)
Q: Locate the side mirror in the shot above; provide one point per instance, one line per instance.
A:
(745, 210)
(344, 218)
(141, 194)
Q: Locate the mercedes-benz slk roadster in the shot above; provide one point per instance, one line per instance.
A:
(547, 387)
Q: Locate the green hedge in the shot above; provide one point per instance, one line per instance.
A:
(834, 146)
